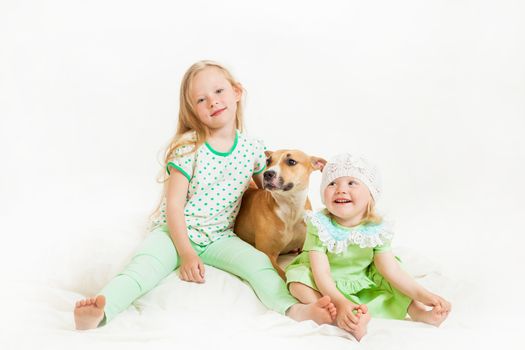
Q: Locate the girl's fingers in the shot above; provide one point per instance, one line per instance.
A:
(189, 275)
(197, 274)
(363, 308)
(350, 325)
(345, 323)
(353, 318)
(182, 275)
(186, 273)
(445, 305)
(342, 324)
(201, 269)
(350, 319)
(193, 274)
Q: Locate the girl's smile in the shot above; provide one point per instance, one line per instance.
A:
(347, 199)
(342, 201)
(218, 112)
(215, 99)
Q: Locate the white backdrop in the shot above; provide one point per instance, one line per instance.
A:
(431, 91)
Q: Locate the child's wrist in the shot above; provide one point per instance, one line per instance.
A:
(186, 253)
(422, 295)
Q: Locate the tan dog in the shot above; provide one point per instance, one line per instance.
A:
(271, 219)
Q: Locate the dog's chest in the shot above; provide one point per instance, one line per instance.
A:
(292, 218)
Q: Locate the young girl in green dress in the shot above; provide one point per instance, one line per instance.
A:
(347, 255)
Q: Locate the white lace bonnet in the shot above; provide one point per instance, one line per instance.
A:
(356, 167)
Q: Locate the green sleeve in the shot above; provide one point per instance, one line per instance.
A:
(383, 248)
(312, 241)
(183, 161)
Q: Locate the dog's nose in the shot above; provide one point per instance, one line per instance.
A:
(268, 175)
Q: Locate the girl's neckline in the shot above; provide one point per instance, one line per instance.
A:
(347, 228)
(224, 154)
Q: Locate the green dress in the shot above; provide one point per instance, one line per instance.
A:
(350, 252)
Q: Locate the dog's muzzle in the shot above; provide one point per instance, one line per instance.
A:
(271, 182)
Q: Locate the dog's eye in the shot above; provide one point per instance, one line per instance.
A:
(268, 161)
(291, 162)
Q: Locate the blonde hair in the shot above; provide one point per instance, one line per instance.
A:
(370, 217)
(190, 131)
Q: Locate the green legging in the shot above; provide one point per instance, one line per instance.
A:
(157, 258)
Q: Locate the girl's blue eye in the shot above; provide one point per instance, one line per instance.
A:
(352, 183)
(218, 91)
(200, 100)
(331, 183)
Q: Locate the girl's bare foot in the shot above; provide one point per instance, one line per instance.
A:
(418, 312)
(89, 312)
(362, 326)
(322, 311)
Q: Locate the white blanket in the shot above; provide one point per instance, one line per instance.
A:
(222, 313)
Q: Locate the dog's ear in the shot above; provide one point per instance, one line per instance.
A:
(318, 163)
(268, 154)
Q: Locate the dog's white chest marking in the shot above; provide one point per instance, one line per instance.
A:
(290, 210)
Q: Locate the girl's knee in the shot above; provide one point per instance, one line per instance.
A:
(293, 286)
(258, 264)
(147, 271)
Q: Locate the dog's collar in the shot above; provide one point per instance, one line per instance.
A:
(337, 239)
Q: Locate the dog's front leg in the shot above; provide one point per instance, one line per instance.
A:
(273, 259)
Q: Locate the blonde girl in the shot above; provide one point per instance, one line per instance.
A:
(347, 255)
(209, 165)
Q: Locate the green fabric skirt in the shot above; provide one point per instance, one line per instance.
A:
(380, 297)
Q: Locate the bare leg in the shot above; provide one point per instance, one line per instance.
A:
(418, 312)
(303, 293)
(89, 312)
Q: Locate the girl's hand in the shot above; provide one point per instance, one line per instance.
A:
(436, 301)
(191, 268)
(346, 318)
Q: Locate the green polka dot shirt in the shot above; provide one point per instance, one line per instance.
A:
(217, 182)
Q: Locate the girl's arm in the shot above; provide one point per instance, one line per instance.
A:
(389, 268)
(323, 279)
(191, 268)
